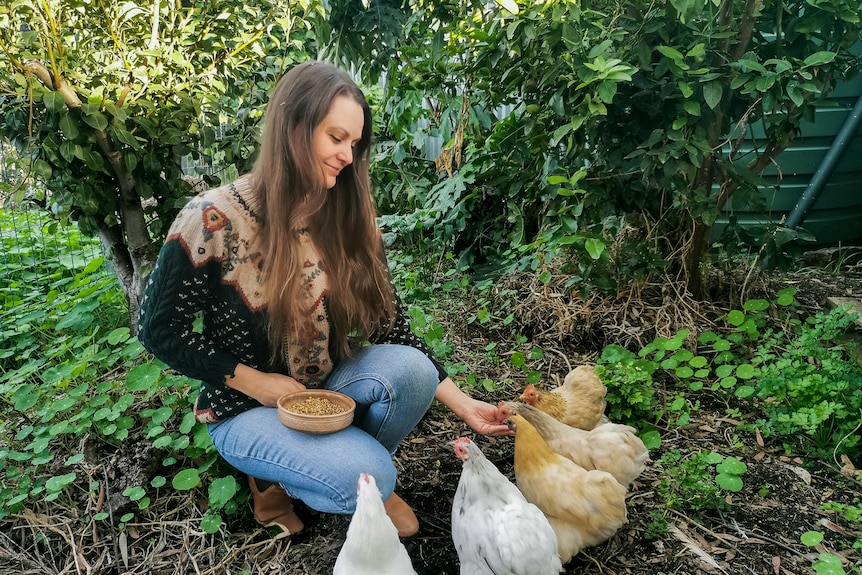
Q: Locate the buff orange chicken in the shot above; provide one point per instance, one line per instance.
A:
(579, 401)
(611, 447)
(584, 507)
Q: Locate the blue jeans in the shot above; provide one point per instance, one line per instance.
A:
(393, 386)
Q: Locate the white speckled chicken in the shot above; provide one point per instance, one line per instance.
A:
(585, 508)
(372, 546)
(496, 531)
(611, 447)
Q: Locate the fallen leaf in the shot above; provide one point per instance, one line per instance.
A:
(833, 527)
(776, 565)
(707, 560)
(849, 470)
(801, 473)
(755, 540)
(728, 420)
(758, 437)
(124, 548)
(726, 537)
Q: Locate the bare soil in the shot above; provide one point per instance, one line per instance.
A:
(757, 533)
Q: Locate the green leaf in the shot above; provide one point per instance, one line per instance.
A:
(54, 102)
(731, 465)
(684, 372)
(729, 482)
(143, 377)
(95, 120)
(713, 457)
(735, 318)
(67, 150)
(828, 564)
(594, 247)
(723, 371)
(134, 493)
(744, 391)
(651, 439)
(211, 522)
(42, 169)
(74, 459)
(509, 5)
(162, 414)
(755, 305)
(58, 482)
(728, 382)
(811, 538)
(819, 58)
(560, 133)
(186, 479)
(222, 490)
(745, 371)
(118, 335)
(607, 91)
(693, 108)
(685, 89)
(671, 53)
(69, 128)
(712, 93)
(25, 397)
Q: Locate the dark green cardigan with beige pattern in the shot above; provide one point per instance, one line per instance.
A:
(208, 266)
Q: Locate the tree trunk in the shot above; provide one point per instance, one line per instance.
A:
(130, 247)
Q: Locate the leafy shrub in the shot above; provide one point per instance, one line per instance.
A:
(688, 482)
(72, 374)
(810, 385)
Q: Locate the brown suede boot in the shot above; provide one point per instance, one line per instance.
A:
(274, 508)
(402, 516)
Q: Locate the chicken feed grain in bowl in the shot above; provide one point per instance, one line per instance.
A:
(316, 410)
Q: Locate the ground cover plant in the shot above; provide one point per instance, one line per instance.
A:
(103, 467)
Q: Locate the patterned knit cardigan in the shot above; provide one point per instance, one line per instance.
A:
(208, 267)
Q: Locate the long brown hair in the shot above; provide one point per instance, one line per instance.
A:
(341, 220)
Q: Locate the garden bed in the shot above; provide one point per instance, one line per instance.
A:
(758, 530)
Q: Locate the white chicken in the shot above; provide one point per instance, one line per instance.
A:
(496, 531)
(372, 546)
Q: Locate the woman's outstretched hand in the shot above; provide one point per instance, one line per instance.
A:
(482, 417)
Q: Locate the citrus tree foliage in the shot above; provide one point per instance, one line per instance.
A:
(104, 100)
(610, 127)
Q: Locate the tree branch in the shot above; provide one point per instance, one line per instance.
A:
(746, 27)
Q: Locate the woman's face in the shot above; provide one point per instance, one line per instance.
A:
(334, 138)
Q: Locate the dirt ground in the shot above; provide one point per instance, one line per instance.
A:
(758, 532)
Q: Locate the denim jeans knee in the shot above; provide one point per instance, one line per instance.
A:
(320, 470)
(393, 386)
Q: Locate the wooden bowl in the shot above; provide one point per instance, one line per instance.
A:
(313, 423)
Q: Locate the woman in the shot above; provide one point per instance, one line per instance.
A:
(286, 268)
